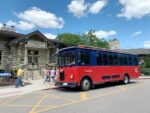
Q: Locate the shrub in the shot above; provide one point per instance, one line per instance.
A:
(2, 70)
(145, 71)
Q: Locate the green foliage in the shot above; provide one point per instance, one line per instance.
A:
(88, 39)
(2, 70)
(145, 66)
(69, 39)
(145, 71)
(146, 62)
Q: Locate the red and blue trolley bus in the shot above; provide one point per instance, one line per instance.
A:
(87, 66)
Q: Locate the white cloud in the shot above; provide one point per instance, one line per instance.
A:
(136, 33)
(50, 36)
(1, 25)
(104, 34)
(41, 18)
(97, 6)
(78, 8)
(23, 25)
(147, 44)
(134, 8)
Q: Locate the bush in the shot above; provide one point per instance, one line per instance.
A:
(2, 70)
(14, 72)
(145, 71)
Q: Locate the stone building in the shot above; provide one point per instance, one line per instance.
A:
(114, 44)
(33, 50)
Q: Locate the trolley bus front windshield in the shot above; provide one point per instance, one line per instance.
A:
(66, 59)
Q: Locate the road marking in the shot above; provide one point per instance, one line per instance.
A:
(121, 87)
(80, 100)
(38, 103)
(53, 96)
(83, 95)
(16, 105)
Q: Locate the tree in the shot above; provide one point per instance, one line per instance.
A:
(69, 39)
(88, 39)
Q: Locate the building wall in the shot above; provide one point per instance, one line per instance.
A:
(4, 50)
(43, 58)
(14, 54)
(52, 56)
(114, 44)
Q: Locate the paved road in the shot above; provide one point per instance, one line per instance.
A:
(116, 98)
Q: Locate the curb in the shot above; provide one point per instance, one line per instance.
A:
(144, 78)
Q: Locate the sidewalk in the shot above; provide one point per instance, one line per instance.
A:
(30, 86)
(144, 77)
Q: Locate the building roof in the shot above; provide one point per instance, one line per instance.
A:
(57, 43)
(140, 51)
(10, 34)
(17, 37)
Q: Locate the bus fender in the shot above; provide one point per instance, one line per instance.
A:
(127, 75)
(86, 76)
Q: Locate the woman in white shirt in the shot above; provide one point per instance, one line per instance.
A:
(52, 74)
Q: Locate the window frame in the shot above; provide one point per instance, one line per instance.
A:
(65, 56)
(137, 61)
(105, 58)
(101, 58)
(116, 61)
(89, 58)
(130, 60)
(111, 59)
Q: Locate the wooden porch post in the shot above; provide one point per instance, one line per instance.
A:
(25, 63)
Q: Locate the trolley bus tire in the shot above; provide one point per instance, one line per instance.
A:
(126, 79)
(85, 84)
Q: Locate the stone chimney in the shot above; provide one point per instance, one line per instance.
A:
(8, 28)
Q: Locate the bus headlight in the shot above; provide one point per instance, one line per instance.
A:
(71, 77)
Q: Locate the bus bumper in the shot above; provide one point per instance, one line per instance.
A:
(66, 84)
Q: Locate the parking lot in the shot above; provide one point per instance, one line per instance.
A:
(105, 98)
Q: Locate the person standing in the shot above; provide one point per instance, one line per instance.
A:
(52, 75)
(19, 77)
(47, 75)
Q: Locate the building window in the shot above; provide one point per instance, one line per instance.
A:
(0, 57)
(33, 56)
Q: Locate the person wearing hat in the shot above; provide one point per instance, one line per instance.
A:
(19, 76)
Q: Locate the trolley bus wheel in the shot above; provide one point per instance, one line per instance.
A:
(85, 84)
(126, 79)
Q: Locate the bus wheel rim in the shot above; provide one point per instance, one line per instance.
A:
(86, 84)
(126, 79)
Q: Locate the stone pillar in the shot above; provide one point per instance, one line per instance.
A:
(48, 56)
(19, 53)
(25, 63)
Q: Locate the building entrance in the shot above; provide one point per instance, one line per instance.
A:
(33, 59)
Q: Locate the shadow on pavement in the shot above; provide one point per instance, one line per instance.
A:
(100, 86)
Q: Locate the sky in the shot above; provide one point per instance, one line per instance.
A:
(126, 20)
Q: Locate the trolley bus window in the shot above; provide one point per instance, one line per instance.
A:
(70, 58)
(61, 61)
(83, 58)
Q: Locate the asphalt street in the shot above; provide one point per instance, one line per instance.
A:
(106, 98)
